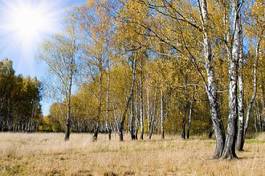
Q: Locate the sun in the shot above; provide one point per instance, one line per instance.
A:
(28, 22)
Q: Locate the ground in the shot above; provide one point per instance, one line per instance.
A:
(47, 154)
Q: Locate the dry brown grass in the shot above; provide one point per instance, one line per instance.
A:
(48, 154)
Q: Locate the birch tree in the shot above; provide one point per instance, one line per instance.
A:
(240, 133)
(211, 88)
(95, 27)
(60, 55)
(230, 142)
(255, 31)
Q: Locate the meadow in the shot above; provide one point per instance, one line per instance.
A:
(47, 154)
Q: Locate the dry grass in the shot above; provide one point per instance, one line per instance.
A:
(48, 154)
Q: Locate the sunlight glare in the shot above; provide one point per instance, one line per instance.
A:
(28, 23)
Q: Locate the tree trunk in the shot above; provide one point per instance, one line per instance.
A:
(183, 132)
(141, 102)
(211, 88)
(256, 118)
(229, 150)
(259, 120)
(151, 127)
(96, 131)
(68, 125)
(121, 124)
(240, 133)
(133, 119)
(68, 98)
(100, 96)
(152, 116)
(108, 102)
(162, 115)
(109, 131)
(121, 128)
(230, 142)
(189, 119)
(253, 97)
(148, 111)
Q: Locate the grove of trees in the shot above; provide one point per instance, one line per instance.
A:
(185, 67)
(20, 109)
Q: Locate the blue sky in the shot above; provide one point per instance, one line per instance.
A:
(24, 59)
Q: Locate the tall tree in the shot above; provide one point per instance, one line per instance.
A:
(240, 133)
(95, 24)
(211, 85)
(256, 32)
(229, 150)
(60, 53)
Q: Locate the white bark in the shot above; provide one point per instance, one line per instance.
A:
(229, 150)
(108, 126)
(211, 85)
(162, 114)
(253, 97)
(133, 119)
(142, 101)
(240, 134)
(148, 110)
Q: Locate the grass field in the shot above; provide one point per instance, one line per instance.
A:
(48, 154)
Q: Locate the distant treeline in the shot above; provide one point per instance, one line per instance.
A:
(178, 110)
(20, 109)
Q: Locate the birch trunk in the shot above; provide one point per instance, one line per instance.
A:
(121, 124)
(151, 127)
(68, 117)
(109, 130)
(189, 119)
(183, 132)
(148, 110)
(68, 98)
(100, 97)
(162, 115)
(153, 113)
(240, 133)
(259, 119)
(133, 119)
(253, 97)
(141, 102)
(256, 114)
(211, 85)
(230, 142)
